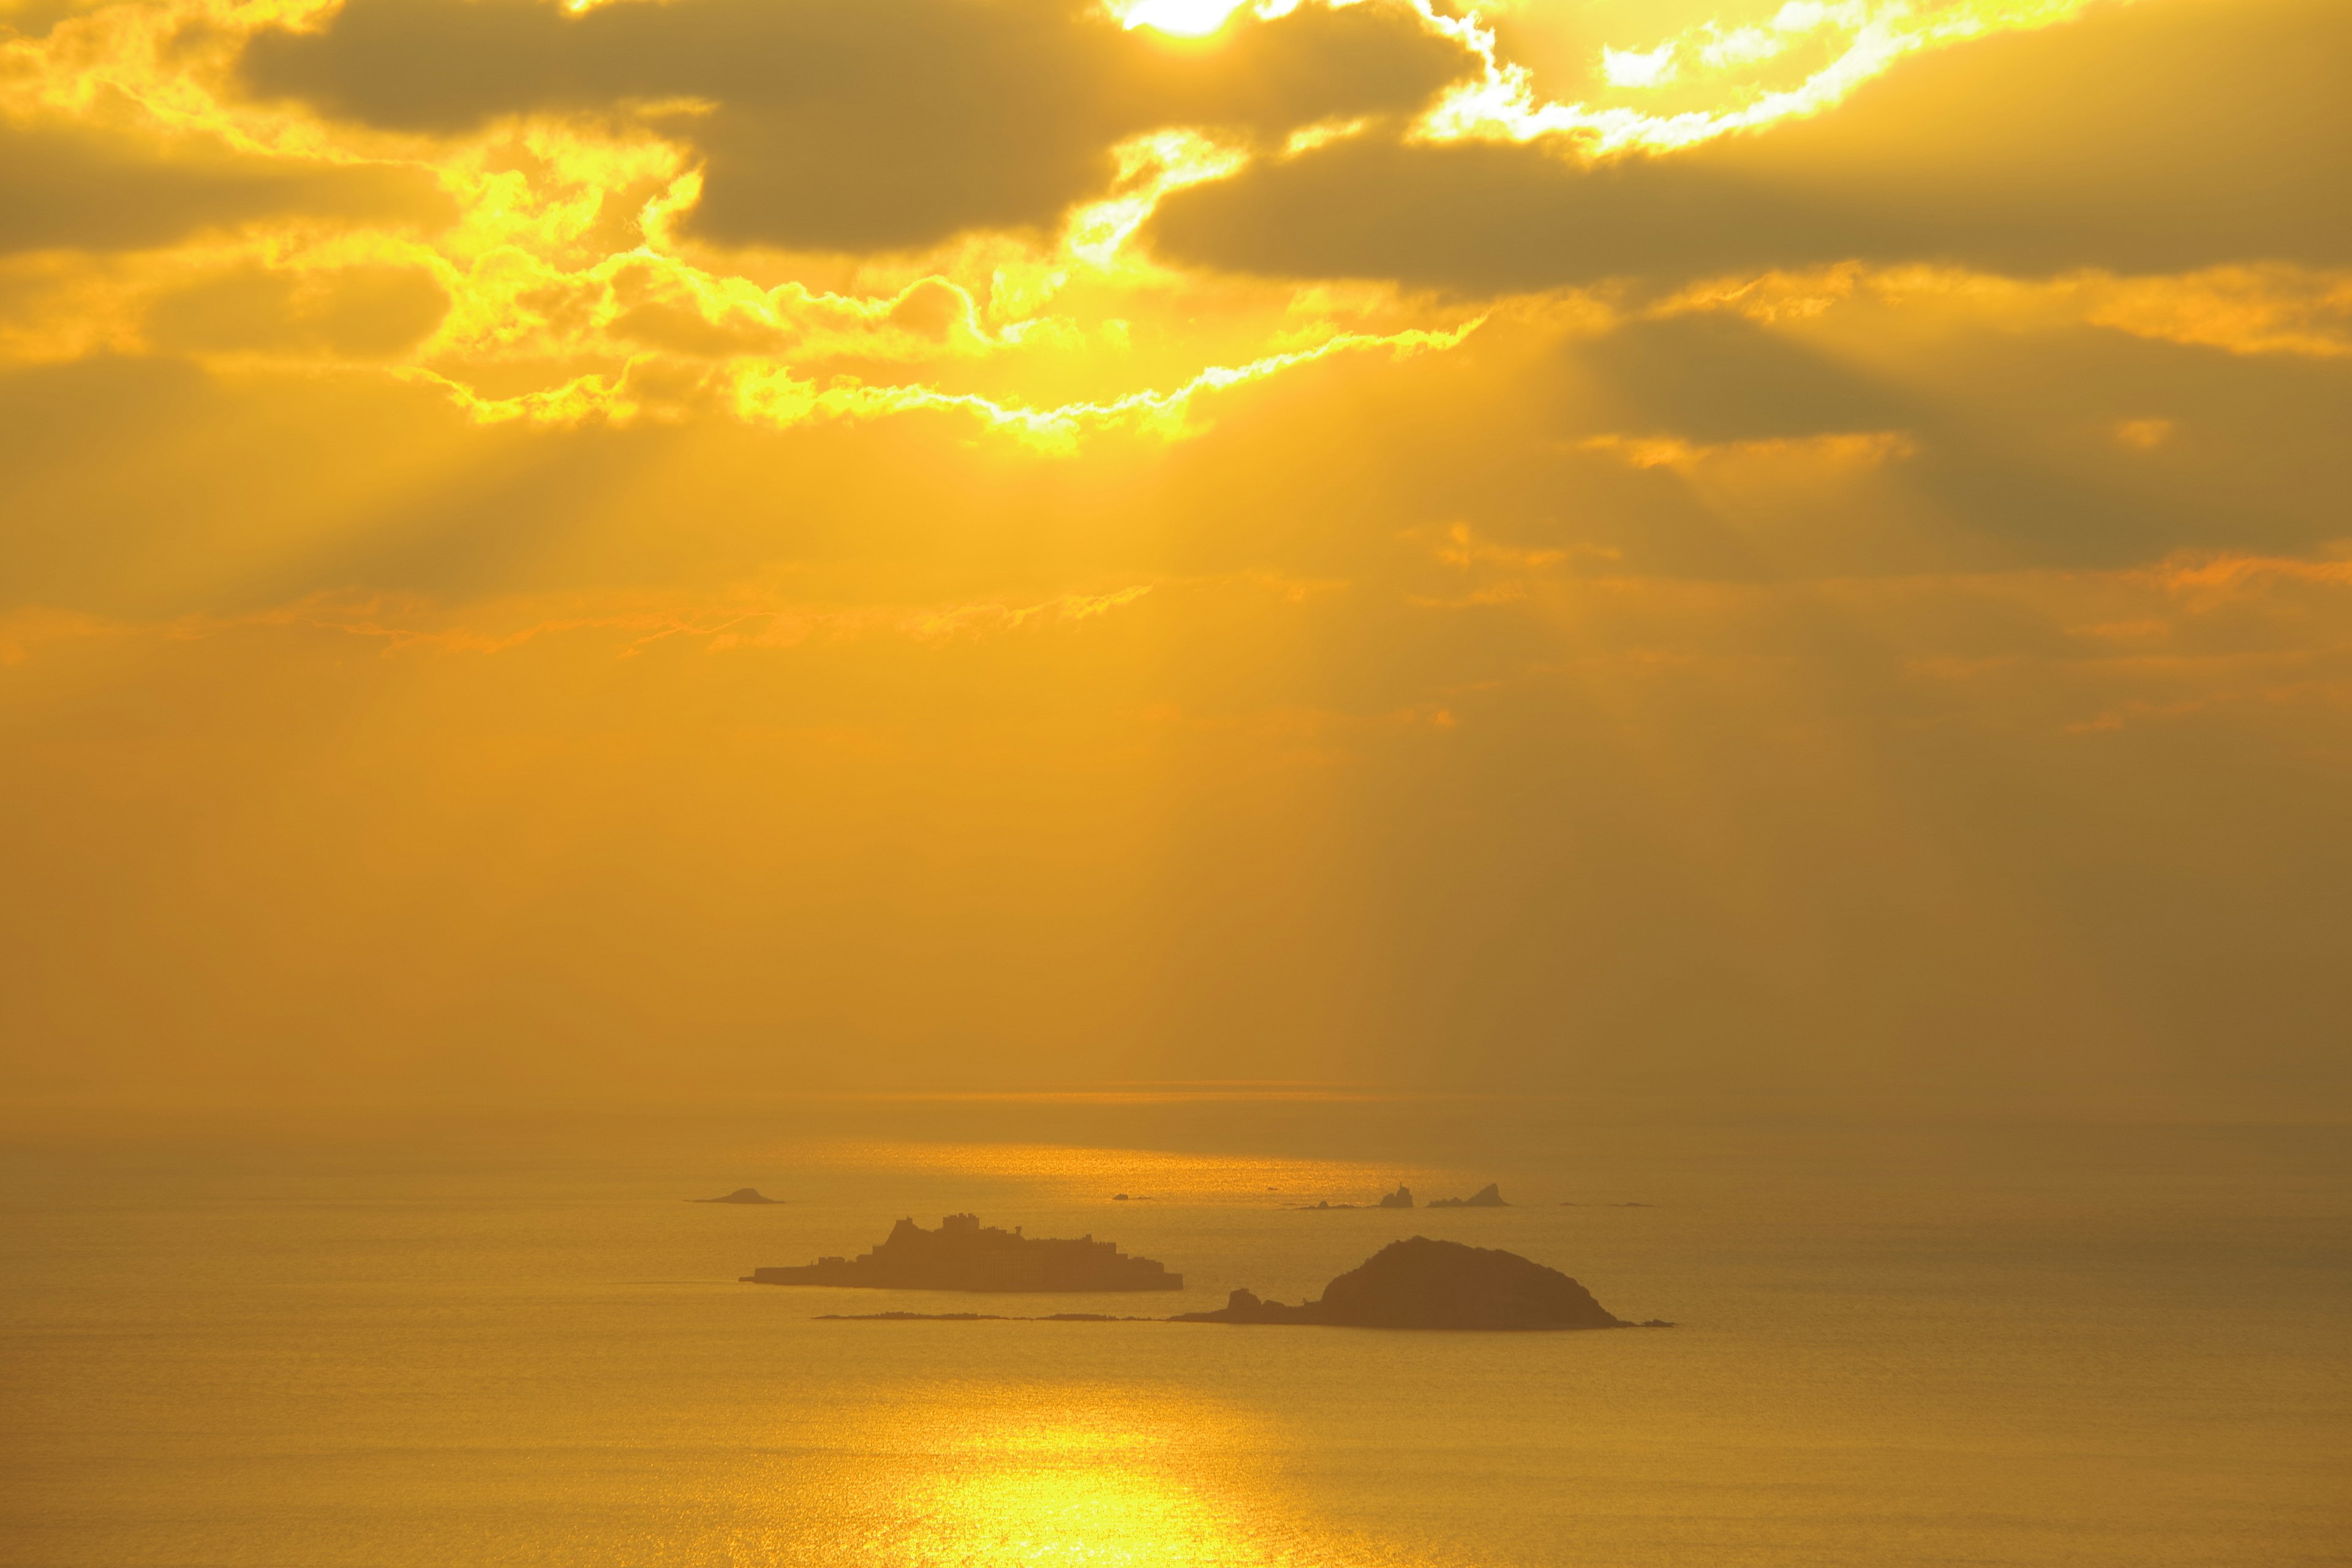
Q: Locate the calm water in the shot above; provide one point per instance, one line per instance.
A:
(463, 1344)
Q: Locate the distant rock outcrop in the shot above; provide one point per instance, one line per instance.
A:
(1400, 1199)
(1425, 1284)
(740, 1196)
(962, 1255)
(1489, 1196)
(974, 1318)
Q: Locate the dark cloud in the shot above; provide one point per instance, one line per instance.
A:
(2021, 449)
(2156, 138)
(1479, 218)
(358, 312)
(859, 124)
(2004, 454)
(37, 19)
(1713, 378)
(84, 189)
(2012, 452)
(255, 490)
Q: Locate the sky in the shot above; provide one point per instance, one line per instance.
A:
(685, 551)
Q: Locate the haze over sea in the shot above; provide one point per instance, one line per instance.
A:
(481, 1342)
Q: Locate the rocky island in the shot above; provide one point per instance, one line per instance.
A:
(1489, 1196)
(962, 1255)
(740, 1196)
(1400, 1199)
(1425, 1284)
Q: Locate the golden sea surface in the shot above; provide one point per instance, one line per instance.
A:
(467, 1343)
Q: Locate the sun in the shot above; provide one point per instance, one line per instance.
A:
(1183, 18)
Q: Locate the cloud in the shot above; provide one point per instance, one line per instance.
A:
(82, 188)
(859, 125)
(1766, 669)
(1896, 432)
(1475, 218)
(2160, 137)
(1714, 378)
(355, 312)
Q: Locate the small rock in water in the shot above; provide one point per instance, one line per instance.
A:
(740, 1196)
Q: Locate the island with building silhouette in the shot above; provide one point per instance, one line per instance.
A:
(964, 1255)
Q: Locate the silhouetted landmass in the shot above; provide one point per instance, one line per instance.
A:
(1489, 1196)
(1425, 1284)
(740, 1196)
(975, 1318)
(1400, 1199)
(962, 1255)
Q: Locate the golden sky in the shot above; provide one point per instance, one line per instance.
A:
(665, 550)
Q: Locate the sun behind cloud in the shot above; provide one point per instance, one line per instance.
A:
(1183, 18)
(952, 544)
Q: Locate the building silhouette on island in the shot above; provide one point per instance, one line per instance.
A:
(963, 1254)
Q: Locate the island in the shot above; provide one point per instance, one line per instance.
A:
(1425, 1284)
(962, 1255)
(740, 1196)
(1400, 1199)
(1489, 1196)
(974, 1318)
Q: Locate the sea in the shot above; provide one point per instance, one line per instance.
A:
(441, 1341)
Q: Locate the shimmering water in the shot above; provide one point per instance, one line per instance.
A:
(467, 1344)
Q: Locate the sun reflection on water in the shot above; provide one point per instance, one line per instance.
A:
(1083, 1476)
